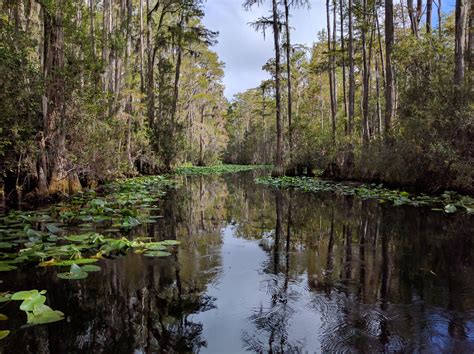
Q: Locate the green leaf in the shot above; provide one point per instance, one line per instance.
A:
(3, 317)
(76, 261)
(6, 245)
(91, 268)
(32, 302)
(170, 242)
(450, 208)
(5, 267)
(53, 228)
(3, 334)
(157, 254)
(44, 316)
(24, 295)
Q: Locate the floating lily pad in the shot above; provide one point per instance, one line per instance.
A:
(44, 314)
(6, 245)
(70, 262)
(75, 273)
(5, 267)
(157, 254)
(91, 268)
(170, 242)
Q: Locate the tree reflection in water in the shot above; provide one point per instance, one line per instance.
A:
(332, 273)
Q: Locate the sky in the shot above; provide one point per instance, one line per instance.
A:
(244, 51)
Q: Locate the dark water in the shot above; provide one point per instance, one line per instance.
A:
(261, 271)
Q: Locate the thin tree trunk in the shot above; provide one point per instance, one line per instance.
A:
(343, 51)
(389, 82)
(440, 19)
(461, 33)
(278, 171)
(429, 10)
(288, 72)
(331, 73)
(351, 72)
(365, 74)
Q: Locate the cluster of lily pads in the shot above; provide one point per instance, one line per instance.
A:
(217, 169)
(449, 202)
(33, 304)
(74, 233)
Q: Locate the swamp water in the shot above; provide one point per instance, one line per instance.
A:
(261, 270)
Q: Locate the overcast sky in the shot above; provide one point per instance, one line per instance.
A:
(242, 49)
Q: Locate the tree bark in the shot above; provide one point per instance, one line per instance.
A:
(429, 10)
(351, 71)
(389, 84)
(331, 73)
(462, 9)
(278, 171)
(288, 72)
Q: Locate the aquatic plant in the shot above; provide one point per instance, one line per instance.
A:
(67, 234)
(218, 169)
(33, 304)
(449, 202)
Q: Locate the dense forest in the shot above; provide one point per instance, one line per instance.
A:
(93, 90)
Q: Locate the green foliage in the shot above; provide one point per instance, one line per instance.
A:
(33, 304)
(50, 238)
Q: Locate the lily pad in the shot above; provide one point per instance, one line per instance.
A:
(75, 273)
(157, 254)
(3, 334)
(45, 315)
(70, 262)
(91, 268)
(170, 242)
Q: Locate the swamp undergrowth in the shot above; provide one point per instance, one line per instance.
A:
(449, 202)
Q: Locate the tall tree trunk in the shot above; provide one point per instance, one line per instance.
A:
(413, 18)
(331, 73)
(351, 71)
(366, 77)
(429, 10)
(278, 171)
(462, 9)
(389, 81)
(343, 51)
(54, 165)
(440, 19)
(288, 73)
(174, 106)
(142, 50)
(470, 45)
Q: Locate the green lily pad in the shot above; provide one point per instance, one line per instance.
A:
(53, 228)
(75, 273)
(450, 208)
(157, 254)
(44, 315)
(91, 268)
(70, 262)
(3, 334)
(5, 267)
(170, 242)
